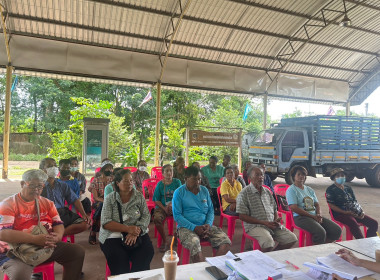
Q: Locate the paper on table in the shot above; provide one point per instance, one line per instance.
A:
(258, 255)
(330, 270)
(220, 262)
(252, 268)
(336, 262)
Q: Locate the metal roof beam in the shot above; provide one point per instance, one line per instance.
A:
(172, 55)
(180, 43)
(92, 28)
(226, 25)
(300, 15)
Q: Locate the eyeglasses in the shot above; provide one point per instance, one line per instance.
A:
(39, 187)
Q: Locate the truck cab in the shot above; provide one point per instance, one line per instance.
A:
(280, 148)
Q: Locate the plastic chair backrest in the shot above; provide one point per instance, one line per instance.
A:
(156, 172)
(281, 189)
(97, 170)
(151, 186)
(221, 180)
(219, 198)
(132, 168)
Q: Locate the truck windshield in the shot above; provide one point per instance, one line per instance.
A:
(268, 137)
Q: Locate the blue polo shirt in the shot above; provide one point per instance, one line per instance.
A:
(190, 210)
(59, 193)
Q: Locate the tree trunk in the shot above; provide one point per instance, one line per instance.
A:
(35, 113)
(141, 146)
(132, 121)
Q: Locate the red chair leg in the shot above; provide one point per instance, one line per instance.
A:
(242, 243)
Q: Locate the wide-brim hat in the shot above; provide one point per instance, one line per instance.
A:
(334, 172)
(106, 162)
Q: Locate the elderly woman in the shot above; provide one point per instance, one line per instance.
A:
(124, 235)
(306, 210)
(179, 169)
(229, 191)
(18, 219)
(345, 208)
(140, 175)
(163, 195)
(214, 172)
(97, 189)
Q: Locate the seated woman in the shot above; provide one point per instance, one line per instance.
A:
(163, 195)
(179, 169)
(97, 189)
(140, 175)
(111, 187)
(345, 208)
(306, 210)
(136, 248)
(229, 191)
(18, 219)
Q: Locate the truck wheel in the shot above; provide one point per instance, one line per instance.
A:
(349, 177)
(369, 178)
(272, 176)
(375, 177)
(288, 178)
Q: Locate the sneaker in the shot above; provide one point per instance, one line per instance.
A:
(36, 276)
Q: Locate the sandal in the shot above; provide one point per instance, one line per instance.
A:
(92, 239)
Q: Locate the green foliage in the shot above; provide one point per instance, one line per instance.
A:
(27, 157)
(174, 138)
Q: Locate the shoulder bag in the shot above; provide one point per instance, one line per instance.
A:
(124, 234)
(29, 253)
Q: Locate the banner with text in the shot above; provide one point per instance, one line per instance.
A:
(206, 138)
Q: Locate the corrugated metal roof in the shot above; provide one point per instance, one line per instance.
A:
(247, 33)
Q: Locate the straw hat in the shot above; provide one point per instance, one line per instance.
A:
(334, 172)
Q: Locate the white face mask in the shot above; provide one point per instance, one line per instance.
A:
(52, 172)
(142, 168)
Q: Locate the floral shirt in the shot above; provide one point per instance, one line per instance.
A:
(99, 184)
(339, 197)
(139, 178)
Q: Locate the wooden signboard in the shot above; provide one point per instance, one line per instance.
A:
(205, 138)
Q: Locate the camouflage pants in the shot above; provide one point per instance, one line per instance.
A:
(191, 241)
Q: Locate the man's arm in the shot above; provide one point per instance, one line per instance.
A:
(17, 236)
(178, 212)
(78, 206)
(210, 212)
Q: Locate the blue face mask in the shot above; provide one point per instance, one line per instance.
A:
(340, 180)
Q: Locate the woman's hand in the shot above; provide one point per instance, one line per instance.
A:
(130, 239)
(349, 256)
(40, 240)
(336, 277)
(133, 230)
(51, 240)
(233, 207)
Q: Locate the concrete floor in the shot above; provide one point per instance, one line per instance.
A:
(94, 265)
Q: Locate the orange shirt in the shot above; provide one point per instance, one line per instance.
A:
(18, 214)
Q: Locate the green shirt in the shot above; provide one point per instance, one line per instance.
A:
(213, 176)
(164, 193)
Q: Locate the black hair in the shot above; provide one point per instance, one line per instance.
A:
(191, 171)
(195, 163)
(43, 162)
(64, 161)
(297, 168)
(227, 156)
(119, 176)
(140, 161)
(117, 169)
(214, 158)
(73, 158)
(166, 166)
(227, 168)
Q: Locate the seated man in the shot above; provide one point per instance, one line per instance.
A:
(59, 192)
(194, 213)
(86, 203)
(19, 217)
(65, 176)
(258, 210)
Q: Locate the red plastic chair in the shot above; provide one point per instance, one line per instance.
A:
(221, 180)
(65, 238)
(231, 220)
(133, 169)
(156, 173)
(256, 245)
(150, 184)
(281, 189)
(349, 235)
(305, 238)
(47, 270)
(170, 222)
(186, 252)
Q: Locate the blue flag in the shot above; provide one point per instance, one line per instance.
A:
(14, 84)
(247, 109)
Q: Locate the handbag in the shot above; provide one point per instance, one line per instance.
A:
(29, 253)
(283, 203)
(354, 207)
(124, 234)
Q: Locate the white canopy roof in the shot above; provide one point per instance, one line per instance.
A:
(289, 48)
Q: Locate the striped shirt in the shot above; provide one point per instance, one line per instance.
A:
(262, 207)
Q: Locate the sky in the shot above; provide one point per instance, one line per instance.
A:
(276, 108)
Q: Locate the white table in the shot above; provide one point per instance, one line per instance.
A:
(296, 256)
(365, 246)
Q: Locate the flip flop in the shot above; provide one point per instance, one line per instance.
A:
(92, 239)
